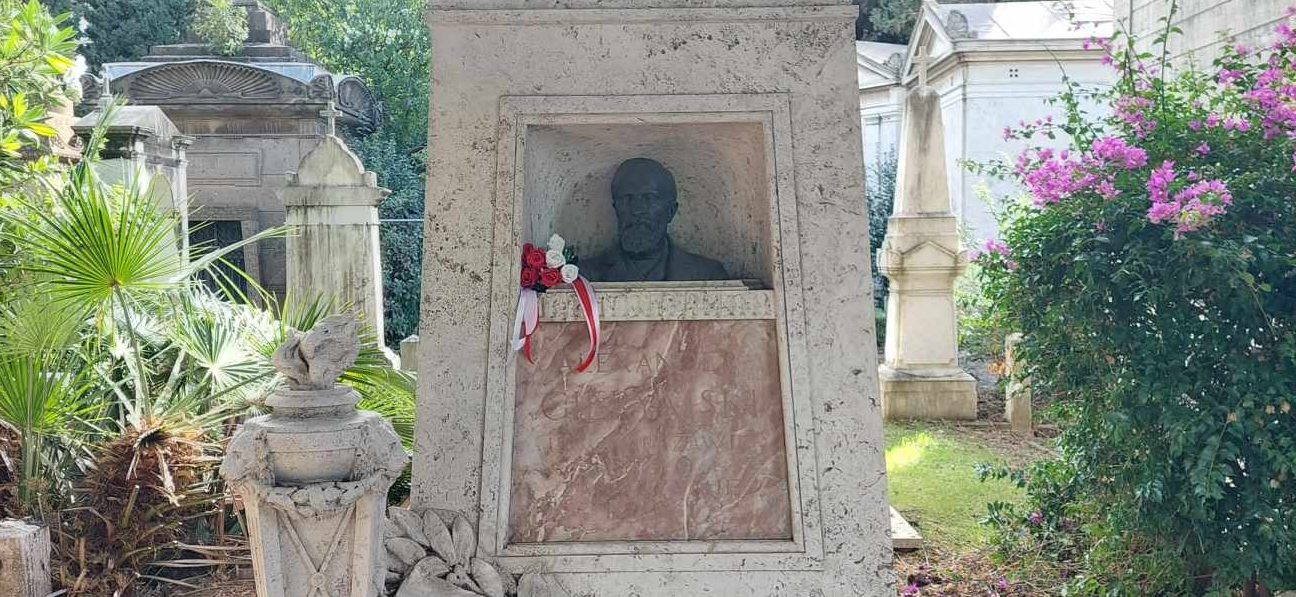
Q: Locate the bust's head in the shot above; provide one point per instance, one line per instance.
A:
(643, 195)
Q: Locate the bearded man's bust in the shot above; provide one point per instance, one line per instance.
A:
(644, 197)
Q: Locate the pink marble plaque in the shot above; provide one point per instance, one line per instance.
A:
(676, 434)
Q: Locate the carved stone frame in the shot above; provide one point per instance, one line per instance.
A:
(784, 304)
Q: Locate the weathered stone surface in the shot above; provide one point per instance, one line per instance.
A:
(507, 86)
(431, 587)
(676, 435)
(24, 559)
(332, 204)
(252, 116)
(314, 360)
(314, 474)
(406, 551)
(409, 523)
(438, 534)
(922, 256)
(1018, 407)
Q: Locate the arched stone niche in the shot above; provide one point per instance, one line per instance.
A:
(719, 169)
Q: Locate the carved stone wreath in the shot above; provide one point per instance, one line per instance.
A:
(434, 554)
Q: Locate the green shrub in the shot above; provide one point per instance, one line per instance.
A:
(222, 25)
(1153, 274)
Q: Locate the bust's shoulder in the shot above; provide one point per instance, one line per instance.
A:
(686, 266)
(597, 266)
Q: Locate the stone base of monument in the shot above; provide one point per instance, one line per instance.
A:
(905, 395)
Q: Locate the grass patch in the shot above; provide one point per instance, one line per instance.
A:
(933, 482)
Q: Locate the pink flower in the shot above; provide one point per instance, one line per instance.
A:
(996, 247)
(910, 589)
(1203, 149)
(1242, 49)
(1001, 584)
(1036, 518)
(1115, 149)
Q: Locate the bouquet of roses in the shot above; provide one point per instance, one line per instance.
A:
(543, 269)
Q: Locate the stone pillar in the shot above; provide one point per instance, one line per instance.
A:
(332, 203)
(409, 354)
(24, 559)
(1018, 404)
(314, 475)
(922, 257)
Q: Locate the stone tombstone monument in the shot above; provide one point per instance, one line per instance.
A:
(332, 202)
(314, 474)
(252, 118)
(727, 439)
(922, 256)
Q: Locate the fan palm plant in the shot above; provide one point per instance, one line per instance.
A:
(153, 363)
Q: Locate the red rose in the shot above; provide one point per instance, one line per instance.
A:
(526, 250)
(550, 277)
(534, 258)
(529, 276)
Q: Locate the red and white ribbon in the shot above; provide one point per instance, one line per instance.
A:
(590, 308)
(524, 324)
(528, 318)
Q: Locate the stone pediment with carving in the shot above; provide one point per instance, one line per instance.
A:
(924, 255)
(218, 82)
(209, 81)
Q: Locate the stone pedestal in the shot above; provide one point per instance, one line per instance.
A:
(314, 475)
(922, 257)
(332, 205)
(727, 438)
(24, 559)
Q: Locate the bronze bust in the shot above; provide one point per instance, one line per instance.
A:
(644, 197)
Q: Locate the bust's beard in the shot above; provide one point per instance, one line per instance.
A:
(640, 241)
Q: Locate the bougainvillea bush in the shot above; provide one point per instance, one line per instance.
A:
(1153, 270)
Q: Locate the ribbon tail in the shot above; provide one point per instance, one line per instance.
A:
(589, 307)
(525, 322)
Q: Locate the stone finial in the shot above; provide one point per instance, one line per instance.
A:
(315, 360)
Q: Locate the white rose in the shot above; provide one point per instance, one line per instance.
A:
(554, 259)
(556, 243)
(570, 273)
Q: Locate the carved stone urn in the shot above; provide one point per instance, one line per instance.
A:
(314, 474)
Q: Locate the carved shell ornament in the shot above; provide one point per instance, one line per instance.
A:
(434, 554)
(315, 360)
(207, 80)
